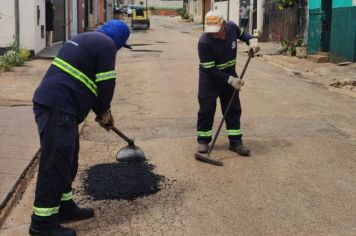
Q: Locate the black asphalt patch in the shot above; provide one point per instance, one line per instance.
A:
(121, 181)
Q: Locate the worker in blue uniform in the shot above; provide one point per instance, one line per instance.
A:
(217, 49)
(81, 78)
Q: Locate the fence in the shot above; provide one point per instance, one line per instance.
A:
(279, 25)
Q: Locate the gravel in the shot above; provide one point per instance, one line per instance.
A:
(116, 181)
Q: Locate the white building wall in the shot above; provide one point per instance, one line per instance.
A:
(260, 13)
(234, 13)
(7, 24)
(198, 11)
(32, 33)
(222, 8)
(191, 8)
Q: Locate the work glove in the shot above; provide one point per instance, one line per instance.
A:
(253, 47)
(235, 82)
(105, 120)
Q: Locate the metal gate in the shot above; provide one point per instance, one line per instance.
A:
(279, 25)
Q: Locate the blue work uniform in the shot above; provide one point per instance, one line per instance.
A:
(80, 78)
(217, 64)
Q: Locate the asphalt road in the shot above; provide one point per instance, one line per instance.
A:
(300, 179)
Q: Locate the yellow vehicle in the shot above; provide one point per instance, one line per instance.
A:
(140, 19)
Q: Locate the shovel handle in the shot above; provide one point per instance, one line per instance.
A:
(122, 135)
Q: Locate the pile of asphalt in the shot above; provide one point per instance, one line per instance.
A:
(116, 181)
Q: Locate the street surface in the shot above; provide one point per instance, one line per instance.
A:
(300, 179)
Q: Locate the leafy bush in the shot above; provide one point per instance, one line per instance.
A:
(186, 16)
(183, 13)
(14, 57)
(282, 4)
(289, 46)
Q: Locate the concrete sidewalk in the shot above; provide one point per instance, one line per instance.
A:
(19, 145)
(19, 142)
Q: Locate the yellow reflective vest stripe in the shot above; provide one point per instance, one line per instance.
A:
(226, 65)
(39, 211)
(67, 196)
(208, 65)
(205, 133)
(234, 132)
(74, 72)
(105, 76)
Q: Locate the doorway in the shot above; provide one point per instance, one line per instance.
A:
(59, 32)
(326, 8)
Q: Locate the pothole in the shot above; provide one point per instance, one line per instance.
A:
(121, 181)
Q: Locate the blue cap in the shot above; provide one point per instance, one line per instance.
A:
(118, 31)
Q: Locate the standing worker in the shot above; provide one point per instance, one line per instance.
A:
(81, 78)
(244, 15)
(218, 78)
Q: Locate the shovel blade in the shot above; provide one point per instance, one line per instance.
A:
(130, 153)
(206, 158)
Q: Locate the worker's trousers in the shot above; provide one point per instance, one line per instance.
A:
(58, 166)
(207, 96)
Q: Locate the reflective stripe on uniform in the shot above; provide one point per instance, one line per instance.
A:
(66, 67)
(67, 196)
(207, 65)
(105, 76)
(226, 65)
(39, 211)
(205, 133)
(233, 132)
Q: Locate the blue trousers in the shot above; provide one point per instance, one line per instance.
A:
(58, 166)
(207, 96)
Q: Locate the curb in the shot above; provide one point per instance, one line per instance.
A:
(19, 188)
(21, 184)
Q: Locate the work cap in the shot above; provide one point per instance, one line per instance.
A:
(213, 22)
(118, 31)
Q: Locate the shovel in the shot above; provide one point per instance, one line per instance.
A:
(130, 153)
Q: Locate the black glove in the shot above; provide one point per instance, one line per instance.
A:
(105, 120)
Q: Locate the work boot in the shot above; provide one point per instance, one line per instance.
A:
(69, 211)
(240, 149)
(203, 148)
(58, 231)
(48, 226)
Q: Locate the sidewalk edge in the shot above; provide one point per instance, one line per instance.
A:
(18, 189)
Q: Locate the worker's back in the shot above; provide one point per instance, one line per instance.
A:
(70, 84)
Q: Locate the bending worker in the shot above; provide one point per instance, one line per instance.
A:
(218, 78)
(81, 78)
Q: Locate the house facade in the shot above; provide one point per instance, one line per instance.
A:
(230, 10)
(28, 23)
(30, 29)
(332, 28)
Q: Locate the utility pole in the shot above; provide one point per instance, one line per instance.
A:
(17, 24)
